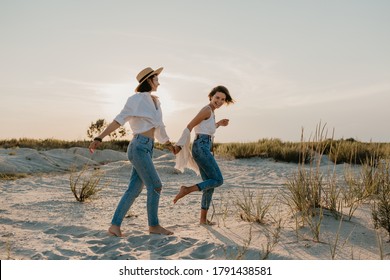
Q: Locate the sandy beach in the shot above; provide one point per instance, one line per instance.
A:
(40, 218)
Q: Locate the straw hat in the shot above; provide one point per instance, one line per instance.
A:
(145, 74)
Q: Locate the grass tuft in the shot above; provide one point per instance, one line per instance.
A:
(85, 185)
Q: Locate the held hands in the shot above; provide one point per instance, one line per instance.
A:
(223, 122)
(176, 149)
(173, 148)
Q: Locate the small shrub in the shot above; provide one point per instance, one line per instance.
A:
(362, 186)
(85, 186)
(12, 176)
(253, 208)
(381, 205)
(305, 190)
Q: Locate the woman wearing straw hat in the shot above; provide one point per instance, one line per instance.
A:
(202, 160)
(143, 112)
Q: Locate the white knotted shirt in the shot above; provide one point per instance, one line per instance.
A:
(143, 114)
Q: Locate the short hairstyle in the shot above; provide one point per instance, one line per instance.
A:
(225, 91)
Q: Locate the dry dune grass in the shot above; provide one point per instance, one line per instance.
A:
(266, 209)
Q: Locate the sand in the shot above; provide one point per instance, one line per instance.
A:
(40, 218)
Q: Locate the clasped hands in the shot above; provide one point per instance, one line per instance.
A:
(173, 148)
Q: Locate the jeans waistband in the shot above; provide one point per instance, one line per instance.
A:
(204, 136)
(140, 136)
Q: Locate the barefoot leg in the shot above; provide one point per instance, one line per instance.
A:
(159, 230)
(208, 223)
(184, 191)
(115, 230)
(203, 218)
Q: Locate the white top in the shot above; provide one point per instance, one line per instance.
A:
(143, 114)
(206, 126)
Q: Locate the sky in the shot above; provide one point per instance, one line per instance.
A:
(290, 65)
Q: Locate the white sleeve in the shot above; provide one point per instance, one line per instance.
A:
(126, 113)
(161, 134)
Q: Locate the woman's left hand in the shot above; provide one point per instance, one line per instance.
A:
(223, 122)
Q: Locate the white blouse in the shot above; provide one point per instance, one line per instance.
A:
(143, 114)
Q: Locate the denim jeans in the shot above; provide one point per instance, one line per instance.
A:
(208, 167)
(140, 152)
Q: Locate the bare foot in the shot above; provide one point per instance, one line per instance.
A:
(159, 230)
(207, 223)
(184, 191)
(115, 230)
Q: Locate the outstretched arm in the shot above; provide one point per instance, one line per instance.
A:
(223, 122)
(114, 125)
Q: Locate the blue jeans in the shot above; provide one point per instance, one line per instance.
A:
(208, 167)
(140, 152)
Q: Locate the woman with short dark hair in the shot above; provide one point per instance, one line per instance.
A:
(205, 126)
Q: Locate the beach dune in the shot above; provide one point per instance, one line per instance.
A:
(40, 218)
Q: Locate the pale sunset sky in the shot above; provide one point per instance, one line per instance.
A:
(288, 64)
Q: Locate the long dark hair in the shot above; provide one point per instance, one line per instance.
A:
(145, 86)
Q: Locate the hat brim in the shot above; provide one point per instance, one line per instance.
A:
(155, 72)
